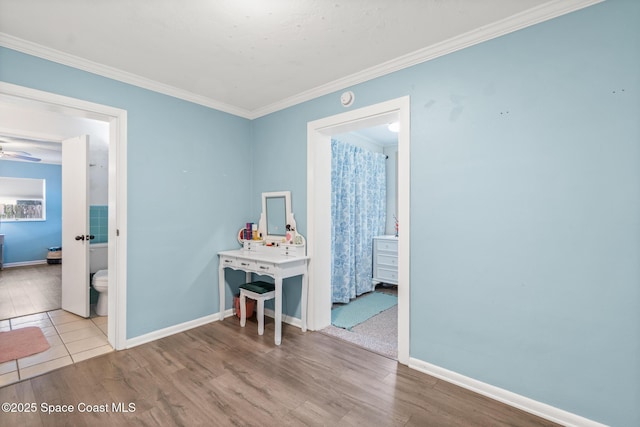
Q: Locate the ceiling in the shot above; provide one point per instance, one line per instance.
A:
(253, 57)
(29, 150)
(36, 131)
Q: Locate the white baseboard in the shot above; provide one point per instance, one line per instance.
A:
(24, 263)
(512, 399)
(294, 321)
(171, 330)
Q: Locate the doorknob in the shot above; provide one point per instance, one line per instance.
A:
(80, 237)
(90, 237)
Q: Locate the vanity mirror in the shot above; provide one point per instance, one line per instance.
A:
(276, 216)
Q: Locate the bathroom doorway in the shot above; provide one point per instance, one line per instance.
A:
(116, 121)
(319, 134)
(73, 176)
(38, 288)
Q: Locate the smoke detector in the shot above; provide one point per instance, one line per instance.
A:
(347, 98)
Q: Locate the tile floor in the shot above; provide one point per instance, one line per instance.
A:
(30, 289)
(72, 339)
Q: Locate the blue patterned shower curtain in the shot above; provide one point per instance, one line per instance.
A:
(358, 209)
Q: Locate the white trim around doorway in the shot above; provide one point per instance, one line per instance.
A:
(319, 209)
(117, 119)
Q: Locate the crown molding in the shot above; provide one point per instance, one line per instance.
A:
(535, 15)
(63, 58)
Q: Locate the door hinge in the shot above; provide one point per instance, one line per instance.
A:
(117, 232)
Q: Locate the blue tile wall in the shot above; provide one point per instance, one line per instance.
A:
(98, 223)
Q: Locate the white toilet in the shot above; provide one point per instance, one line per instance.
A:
(100, 280)
(100, 283)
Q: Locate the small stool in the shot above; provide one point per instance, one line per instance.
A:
(259, 291)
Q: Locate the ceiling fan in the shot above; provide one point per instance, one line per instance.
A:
(20, 155)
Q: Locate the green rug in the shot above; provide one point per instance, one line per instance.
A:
(364, 307)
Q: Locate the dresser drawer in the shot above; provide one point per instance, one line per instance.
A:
(387, 245)
(387, 260)
(387, 276)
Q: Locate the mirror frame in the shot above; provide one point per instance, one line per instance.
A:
(289, 220)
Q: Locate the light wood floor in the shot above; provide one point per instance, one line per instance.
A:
(30, 289)
(221, 374)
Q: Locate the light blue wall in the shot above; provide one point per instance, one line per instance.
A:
(26, 241)
(187, 194)
(525, 189)
(525, 207)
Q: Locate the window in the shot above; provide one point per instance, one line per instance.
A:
(22, 199)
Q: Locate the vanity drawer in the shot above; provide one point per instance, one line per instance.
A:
(389, 260)
(292, 250)
(229, 262)
(249, 265)
(246, 264)
(252, 245)
(264, 268)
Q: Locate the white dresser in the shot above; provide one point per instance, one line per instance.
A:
(385, 260)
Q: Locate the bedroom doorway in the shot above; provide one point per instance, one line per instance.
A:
(319, 134)
(364, 305)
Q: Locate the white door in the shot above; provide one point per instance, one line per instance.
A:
(75, 225)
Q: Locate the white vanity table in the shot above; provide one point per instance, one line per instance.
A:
(271, 257)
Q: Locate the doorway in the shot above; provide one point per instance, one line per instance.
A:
(364, 304)
(319, 134)
(117, 121)
(39, 173)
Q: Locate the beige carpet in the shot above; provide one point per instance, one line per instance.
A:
(378, 334)
(21, 343)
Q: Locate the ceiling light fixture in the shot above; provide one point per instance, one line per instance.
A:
(394, 127)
